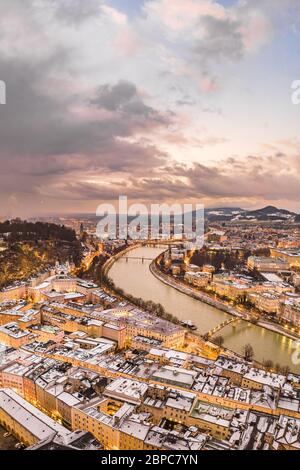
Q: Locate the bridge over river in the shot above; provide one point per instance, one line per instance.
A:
(220, 327)
(141, 258)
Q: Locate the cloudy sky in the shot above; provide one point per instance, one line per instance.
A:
(159, 100)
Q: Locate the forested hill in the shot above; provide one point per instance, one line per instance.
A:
(30, 248)
(18, 230)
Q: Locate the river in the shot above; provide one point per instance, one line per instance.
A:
(135, 278)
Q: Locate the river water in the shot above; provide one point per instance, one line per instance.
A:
(135, 278)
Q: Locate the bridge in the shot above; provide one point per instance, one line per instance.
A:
(220, 327)
(160, 242)
(142, 258)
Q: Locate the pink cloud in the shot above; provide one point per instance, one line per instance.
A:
(256, 31)
(179, 14)
(208, 84)
(126, 42)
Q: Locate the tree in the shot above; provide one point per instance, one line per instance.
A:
(219, 341)
(248, 352)
(285, 370)
(268, 364)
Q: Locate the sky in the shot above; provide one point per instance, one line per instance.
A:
(164, 101)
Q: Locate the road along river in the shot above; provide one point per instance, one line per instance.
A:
(135, 278)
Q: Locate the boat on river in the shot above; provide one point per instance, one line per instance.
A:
(188, 324)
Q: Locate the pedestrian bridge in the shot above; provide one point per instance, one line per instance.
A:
(142, 258)
(220, 327)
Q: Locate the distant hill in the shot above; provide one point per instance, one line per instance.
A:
(268, 213)
(271, 213)
(227, 214)
(21, 230)
(223, 213)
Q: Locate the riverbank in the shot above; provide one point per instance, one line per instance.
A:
(111, 261)
(185, 289)
(190, 291)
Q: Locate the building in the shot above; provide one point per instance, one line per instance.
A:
(34, 428)
(197, 279)
(127, 390)
(263, 263)
(70, 318)
(140, 323)
(15, 292)
(28, 424)
(257, 379)
(287, 435)
(289, 310)
(234, 369)
(265, 301)
(175, 376)
(77, 440)
(45, 333)
(101, 417)
(217, 420)
(290, 256)
(232, 288)
(12, 335)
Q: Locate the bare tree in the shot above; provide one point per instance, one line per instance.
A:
(219, 341)
(248, 352)
(268, 364)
